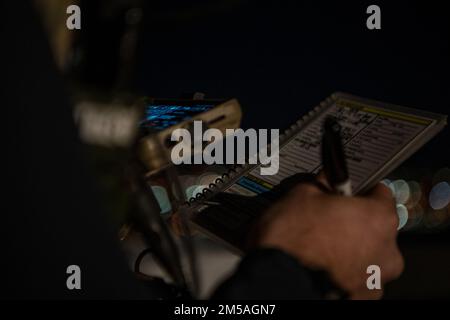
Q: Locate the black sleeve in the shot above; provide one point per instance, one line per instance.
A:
(50, 216)
(270, 274)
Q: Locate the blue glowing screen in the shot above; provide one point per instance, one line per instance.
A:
(161, 116)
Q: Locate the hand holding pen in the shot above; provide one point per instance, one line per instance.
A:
(333, 158)
(334, 163)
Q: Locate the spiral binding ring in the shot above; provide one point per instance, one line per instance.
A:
(219, 181)
(237, 168)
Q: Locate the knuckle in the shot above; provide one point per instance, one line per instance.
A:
(383, 215)
(385, 191)
(302, 189)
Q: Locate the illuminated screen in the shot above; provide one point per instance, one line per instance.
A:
(161, 116)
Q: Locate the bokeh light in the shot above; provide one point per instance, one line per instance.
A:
(163, 199)
(415, 194)
(415, 216)
(439, 196)
(402, 213)
(423, 203)
(401, 191)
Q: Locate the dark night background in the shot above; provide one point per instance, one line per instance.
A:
(280, 59)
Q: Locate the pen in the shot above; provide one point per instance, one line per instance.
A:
(333, 158)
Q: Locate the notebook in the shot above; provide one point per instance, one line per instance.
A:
(377, 137)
